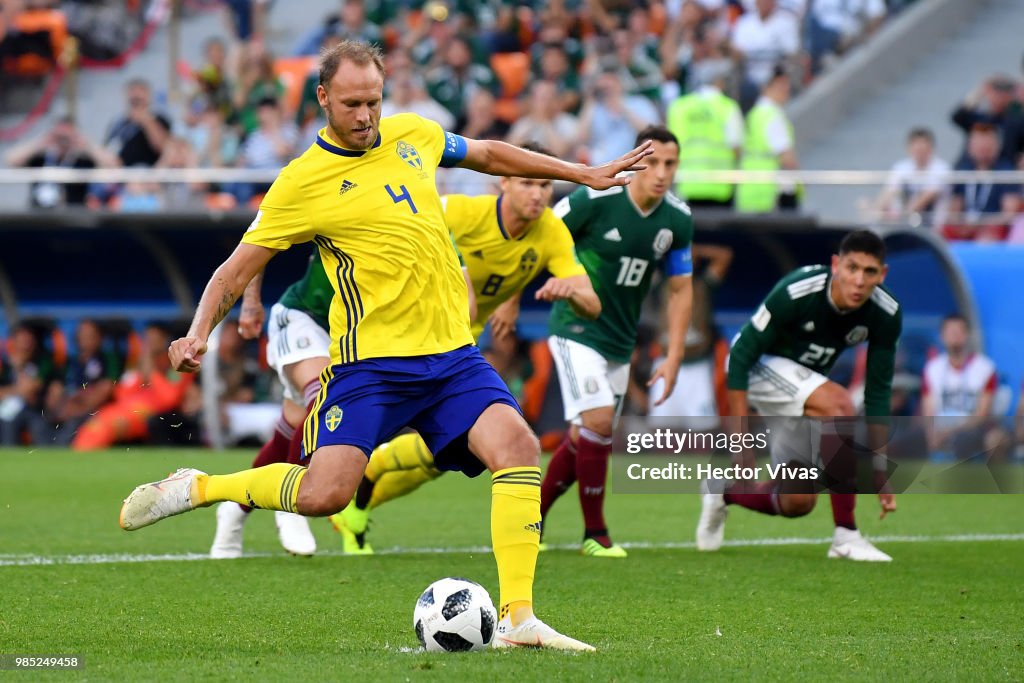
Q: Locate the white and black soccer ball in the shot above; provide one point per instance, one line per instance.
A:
(454, 615)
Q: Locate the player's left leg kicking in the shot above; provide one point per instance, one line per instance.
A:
(800, 392)
(462, 409)
(592, 388)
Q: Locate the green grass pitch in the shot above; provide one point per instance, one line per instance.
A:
(951, 605)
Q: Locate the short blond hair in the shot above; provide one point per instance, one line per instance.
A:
(355, 51)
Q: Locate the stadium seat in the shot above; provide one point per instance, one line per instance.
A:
(293, 72)
(512, 70)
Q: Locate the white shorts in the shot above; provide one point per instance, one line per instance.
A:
(693, 396)
(587, 379)
(294, 336)
(779, 387)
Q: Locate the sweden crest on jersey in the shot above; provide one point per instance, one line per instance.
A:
(409, 155)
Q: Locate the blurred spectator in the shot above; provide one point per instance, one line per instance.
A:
(545, 123)
(349, 23)
(709, 127)
(427, 40)
(63, 146)
(86, 385)
(553, 65)
(770, 145)
(271, 146)
(695, 387)
(833, 26)
(151, 388)
(178, 153)
(917, 201)
(983, 210)
(140, 135)
(247, 410)
(24, 374)
(610, 120)
(408, 94)
(637, 62)
(213, 82)
(214, 142)
(958, 389)
(762, 39)
(693, 57)
(455, 80)
(993, 103)
(257, 82)
(139, 197)
(482, 122)
(32, 37)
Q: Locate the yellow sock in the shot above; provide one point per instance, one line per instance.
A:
(273, 487)
(515, 535)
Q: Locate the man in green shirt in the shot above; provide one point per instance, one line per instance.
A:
(622, 235)
(778, 364)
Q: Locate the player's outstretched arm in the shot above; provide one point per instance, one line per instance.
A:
(223, 289)
(502, 159)
(250, 321)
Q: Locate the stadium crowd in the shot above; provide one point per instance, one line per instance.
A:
(579, 76)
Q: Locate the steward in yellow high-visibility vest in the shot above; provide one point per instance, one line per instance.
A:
(709, 126)
(770, 146)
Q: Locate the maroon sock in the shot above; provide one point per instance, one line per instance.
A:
(560, 476)
(275, 450)
(761, 497)
(842, 509)
(295, 447)
(592, 451)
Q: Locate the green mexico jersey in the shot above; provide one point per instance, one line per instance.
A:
(312, 294)
(799, 321)
(620, 246)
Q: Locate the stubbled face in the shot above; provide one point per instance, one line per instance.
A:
(527, 197)
(854, 276)
(352, 101)
(655, 181)
(955, 335)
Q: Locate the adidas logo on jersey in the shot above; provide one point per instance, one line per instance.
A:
(346, 185)
(613, 235)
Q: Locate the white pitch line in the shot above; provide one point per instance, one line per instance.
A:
(14, 560)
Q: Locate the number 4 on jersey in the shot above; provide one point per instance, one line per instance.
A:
(403, 197)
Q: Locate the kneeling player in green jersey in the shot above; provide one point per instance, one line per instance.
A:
(778, 364)
(622, 234)
(505, 241)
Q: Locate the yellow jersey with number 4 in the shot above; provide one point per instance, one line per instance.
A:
(377, 219)
(499, 265)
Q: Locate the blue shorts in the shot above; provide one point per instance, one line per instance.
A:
(366, 403)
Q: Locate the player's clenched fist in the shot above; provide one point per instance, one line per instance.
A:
(556, 289)
(185, 352)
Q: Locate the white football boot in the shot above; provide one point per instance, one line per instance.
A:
(711, 527)
(848, 544)
(535, 633)
(149, 503)
(293, 530)
(227, 542)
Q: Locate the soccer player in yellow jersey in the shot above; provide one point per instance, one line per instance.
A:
(402, 352)
(505, 241)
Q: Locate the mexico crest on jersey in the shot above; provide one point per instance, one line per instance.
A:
(528, 261)
(856, 335)
(409, 155)
(662, 242)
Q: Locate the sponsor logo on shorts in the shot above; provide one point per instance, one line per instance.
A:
(590, 385)
(333, 418)
(303, 342)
